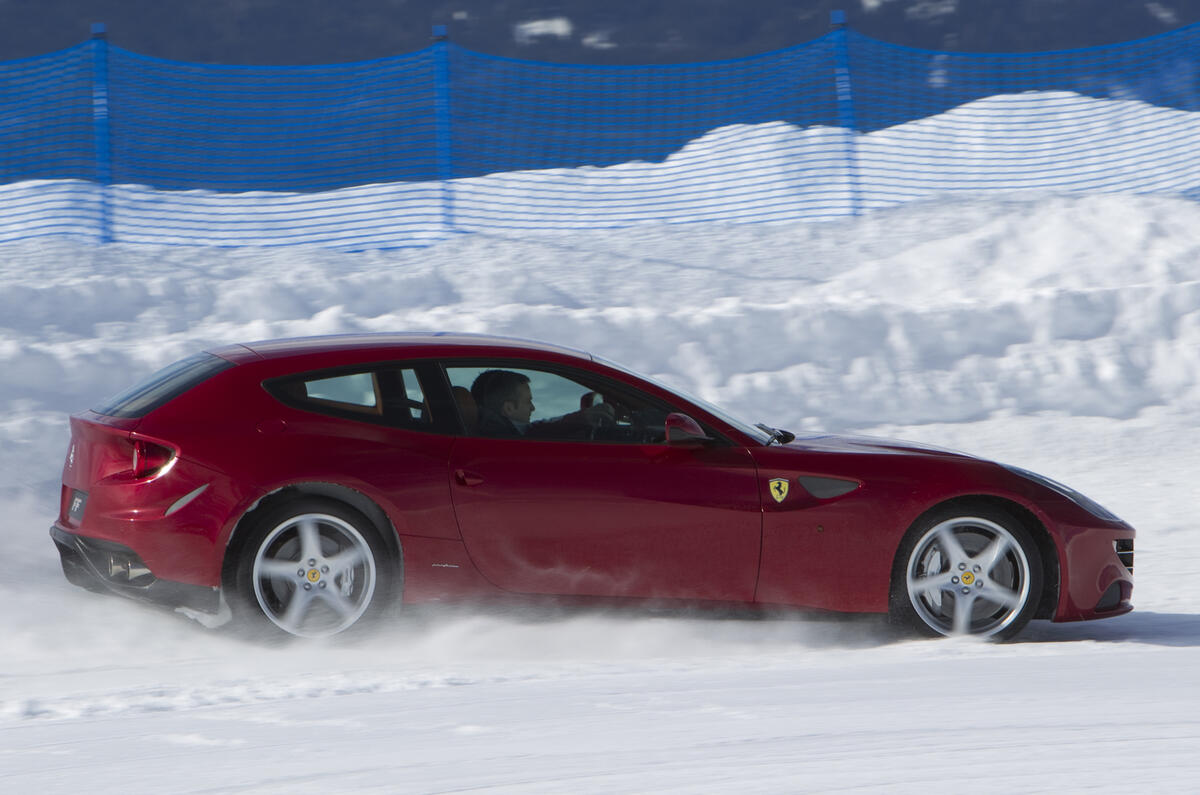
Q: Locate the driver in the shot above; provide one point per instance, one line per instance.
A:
(505, 403)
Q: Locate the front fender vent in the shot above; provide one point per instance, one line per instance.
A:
(827, 488)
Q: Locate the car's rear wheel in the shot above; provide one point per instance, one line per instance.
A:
(967, 571)
(313, 568)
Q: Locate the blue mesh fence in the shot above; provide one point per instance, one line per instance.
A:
(574, 146)
(271, 154)
(104, 144)
(1117, 118)
(46, 133)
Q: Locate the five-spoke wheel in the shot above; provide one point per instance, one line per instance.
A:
(973, 572)
(313, 568)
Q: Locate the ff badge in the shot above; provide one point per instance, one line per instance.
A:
(779, 489)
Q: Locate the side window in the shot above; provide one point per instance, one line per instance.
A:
(357, 391)
(503, 399)
(387, 395)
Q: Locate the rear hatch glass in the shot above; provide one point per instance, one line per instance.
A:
(163, 386)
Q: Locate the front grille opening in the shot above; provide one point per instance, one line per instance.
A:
(1124, 547)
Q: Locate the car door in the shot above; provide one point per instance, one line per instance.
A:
(615, 512)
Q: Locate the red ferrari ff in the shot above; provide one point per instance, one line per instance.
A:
(307, 484)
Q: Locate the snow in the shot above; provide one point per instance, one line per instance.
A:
(1056, 332)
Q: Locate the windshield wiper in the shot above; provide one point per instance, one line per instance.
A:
(777, 434)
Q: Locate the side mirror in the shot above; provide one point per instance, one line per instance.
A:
(682, 429)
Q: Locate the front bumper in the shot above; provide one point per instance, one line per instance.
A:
(99, 565)
(1097, 573)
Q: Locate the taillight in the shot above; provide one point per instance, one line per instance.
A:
(150, 459)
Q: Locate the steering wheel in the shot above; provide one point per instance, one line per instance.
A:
(597, 418)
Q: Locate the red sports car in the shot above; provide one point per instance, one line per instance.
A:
(308, 484)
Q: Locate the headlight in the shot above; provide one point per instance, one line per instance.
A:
(1088, 504)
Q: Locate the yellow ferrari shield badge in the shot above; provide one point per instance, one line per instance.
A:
(779, 489)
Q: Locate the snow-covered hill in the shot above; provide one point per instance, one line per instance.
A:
(1060, 333)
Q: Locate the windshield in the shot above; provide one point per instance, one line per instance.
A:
(753, 431)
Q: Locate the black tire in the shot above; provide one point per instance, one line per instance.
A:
(312, 567)
(967, 570)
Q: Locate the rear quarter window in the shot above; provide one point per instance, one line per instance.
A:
(390, 395)
(354, 392)
(163, 386)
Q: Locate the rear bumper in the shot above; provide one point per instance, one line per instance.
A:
(100, 565)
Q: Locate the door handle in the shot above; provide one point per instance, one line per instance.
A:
(466, 478)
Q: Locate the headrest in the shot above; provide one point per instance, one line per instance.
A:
(466, 406)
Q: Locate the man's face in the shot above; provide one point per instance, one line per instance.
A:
(521, 409)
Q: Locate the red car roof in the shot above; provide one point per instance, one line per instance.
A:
(418, 342)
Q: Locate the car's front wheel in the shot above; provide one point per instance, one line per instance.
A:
(967, 571)
(313, 568)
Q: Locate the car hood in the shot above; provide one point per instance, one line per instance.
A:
(832, 443)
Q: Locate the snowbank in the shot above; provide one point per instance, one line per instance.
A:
(931, 312)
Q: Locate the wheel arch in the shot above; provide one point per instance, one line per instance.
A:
(334, 491)
(1048, 605)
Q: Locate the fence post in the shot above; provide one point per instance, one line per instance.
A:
(845, 104)
(441, 123)
(100, 126)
